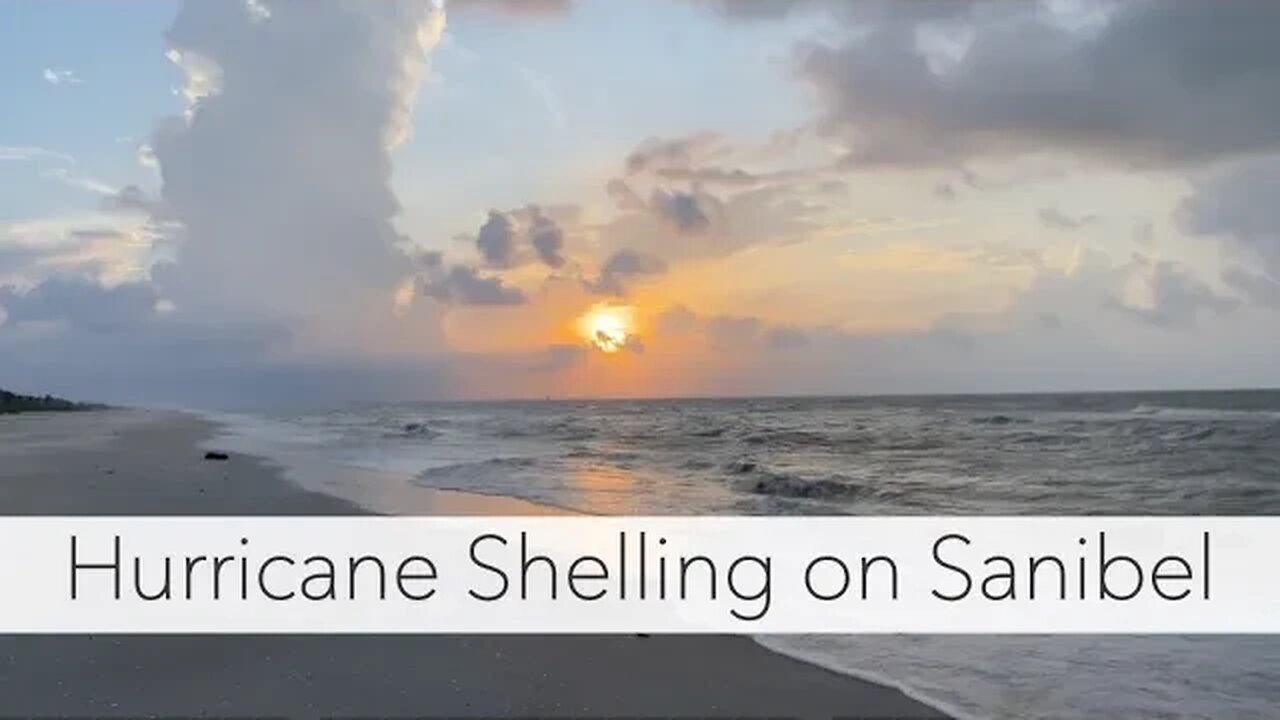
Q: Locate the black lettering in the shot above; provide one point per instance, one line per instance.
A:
(527, 562)
(402, 575)
(867, 563)
(262, 577)
(1158, 576)
(506, 584)
(218, 562)
(844, 572)
(326, 575)
(353, 568)
(601, 573)
(1104, 590)
(191, 564)
(686, 563)
(1036, 562)
(937, 557)
(766, 567)
(1010, 592)
(76, 566)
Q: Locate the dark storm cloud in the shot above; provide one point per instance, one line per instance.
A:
(1159, 83)
(1240, 203)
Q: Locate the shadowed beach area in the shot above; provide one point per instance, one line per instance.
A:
(151, 463)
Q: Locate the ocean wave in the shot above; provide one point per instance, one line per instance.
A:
(419, 430)
(1174, 412)
(697, 464)
(611, 456)
(791, 486)
(999, 420)
(756, 479)
(477, 469)
(709, 432)
(563, 430)
(788, 438)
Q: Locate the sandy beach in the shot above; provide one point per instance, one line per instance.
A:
(151, 463)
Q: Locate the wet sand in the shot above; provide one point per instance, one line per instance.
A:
(151, 463)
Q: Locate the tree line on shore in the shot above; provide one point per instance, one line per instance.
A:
(15, 403)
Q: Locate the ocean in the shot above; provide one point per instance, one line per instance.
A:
(1159, 453)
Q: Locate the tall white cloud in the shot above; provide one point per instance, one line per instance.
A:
(279, 172)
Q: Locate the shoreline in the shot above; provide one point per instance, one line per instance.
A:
(129, 462)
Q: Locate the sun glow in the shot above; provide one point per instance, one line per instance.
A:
(608, 327)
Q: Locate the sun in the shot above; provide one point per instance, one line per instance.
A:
(608, 327)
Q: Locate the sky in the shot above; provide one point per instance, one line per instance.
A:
(244, 203)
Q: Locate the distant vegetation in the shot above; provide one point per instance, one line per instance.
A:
(14, 403)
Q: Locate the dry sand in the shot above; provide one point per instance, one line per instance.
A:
(143, 463)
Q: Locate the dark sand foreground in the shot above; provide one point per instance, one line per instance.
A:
(139, 463)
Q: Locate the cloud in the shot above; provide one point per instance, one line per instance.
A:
(1055, 218)
(623, 266)
(657, 154)
(55, 76)
(131, 198)
(496, 240)
(734, 177)
(756, 9)
(1257, 287)
(461, 285)
(521, 236)
(81, 303)
(547, 238)
(558, 357)
(80, 182)
(31, 152)
(514, 8)
(1154, 83)
(689, 159)
(107, 247)
(1176, 299)
(15, 258)
(1239, 203)
(1144, 233)
(731, 333)
(624, 196)
(279, 173)
(667, 206)
(690, 212)
(276, 211)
